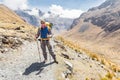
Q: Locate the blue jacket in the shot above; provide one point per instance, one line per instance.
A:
(43, 32)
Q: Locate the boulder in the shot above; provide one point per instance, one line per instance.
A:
(10, 42)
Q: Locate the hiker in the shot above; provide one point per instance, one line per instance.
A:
(43, 32)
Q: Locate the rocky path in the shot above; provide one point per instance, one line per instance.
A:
(24, 64)
(84, 68)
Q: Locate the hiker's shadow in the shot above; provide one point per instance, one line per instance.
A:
(36, 67)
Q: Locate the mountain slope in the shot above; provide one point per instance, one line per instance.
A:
(107, 15)
(8, 15)
(28, 17)
(98, 30)
(13, 29)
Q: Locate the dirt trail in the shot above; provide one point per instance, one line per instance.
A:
(24, 64)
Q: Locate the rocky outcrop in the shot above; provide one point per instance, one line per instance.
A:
(7, 42)
(13, 30)
(75, 22)
(108, 21)
(106, 16)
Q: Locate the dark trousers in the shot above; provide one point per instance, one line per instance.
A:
(44, 44)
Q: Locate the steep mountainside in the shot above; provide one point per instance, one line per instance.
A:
(106, 16)
(98, 29)
(8, 16)
(13, 29)
(30, 18)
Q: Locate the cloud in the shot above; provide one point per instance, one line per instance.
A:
(74, 13)
(34, 11)
(56, 9)
(65, 13)
(22, 4)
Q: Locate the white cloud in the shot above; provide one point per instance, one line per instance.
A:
(65, 13)
(46, 15)
(56, 9)
(22, 4)
(74, 13)
(34, 12)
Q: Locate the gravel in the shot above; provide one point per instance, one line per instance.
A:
(24, 64)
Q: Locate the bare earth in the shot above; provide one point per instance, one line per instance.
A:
(24, 64)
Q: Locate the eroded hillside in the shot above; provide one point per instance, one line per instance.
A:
(13, 29)
(98, 30)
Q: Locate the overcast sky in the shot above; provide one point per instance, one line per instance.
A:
(69, 8)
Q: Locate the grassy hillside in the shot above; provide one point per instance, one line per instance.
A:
(13, 29)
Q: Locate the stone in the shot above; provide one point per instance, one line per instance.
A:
(18, 28)
(69, 67)
(5, 40)
(69, 64)
(61, 46)
(65, 56)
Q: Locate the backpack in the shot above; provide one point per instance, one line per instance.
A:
(49, 25)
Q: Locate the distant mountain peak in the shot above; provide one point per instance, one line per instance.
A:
(109, 3)
(106, 15)
(59, 23)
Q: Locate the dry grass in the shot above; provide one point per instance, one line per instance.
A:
(8, 16)
(9, 21)
(109, 76)
(96, 40)
(73, 45)
(61, 67)
(24, 33)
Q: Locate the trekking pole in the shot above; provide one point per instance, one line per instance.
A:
(38, 50)
(50, 56)
(50, 60)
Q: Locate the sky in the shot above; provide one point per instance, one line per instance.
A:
(67, 8)
(68, 4)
